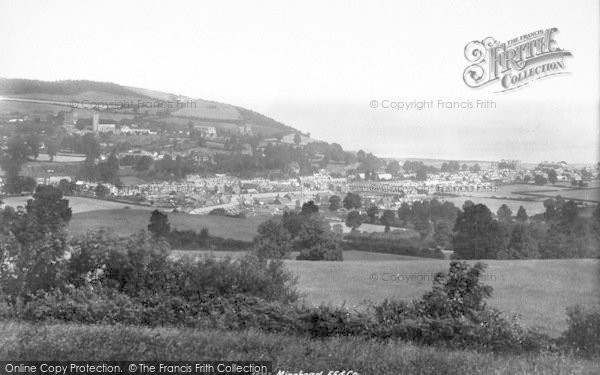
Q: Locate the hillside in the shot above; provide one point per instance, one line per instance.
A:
(27, 96)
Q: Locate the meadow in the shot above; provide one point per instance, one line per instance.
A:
(538, 291)
(124, 222)
(530, 196)
(80, 204)
(21, 341)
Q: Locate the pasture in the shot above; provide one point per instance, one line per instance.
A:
(78, 204)
(538, 291)
(125, 222)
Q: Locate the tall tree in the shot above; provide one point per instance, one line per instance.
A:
(477, 234)
(159, 224)
(522, 214)
(334, 203)
(504, 213)
(387, 219)
(353, 220)
(352, 201)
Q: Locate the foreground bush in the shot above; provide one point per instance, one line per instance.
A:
(583, 333)
(255, 293)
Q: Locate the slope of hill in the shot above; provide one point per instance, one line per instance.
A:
(26, 96)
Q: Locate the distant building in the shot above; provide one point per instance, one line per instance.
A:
(105, 128)
(206, 131)
(245, 129)
(95, 122)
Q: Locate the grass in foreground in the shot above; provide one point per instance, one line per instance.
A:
(21, 341)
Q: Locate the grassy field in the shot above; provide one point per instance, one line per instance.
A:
(125, 222)
(538, 291)
(586, 194)
(72, 342)
(532, 207)
(80, 204)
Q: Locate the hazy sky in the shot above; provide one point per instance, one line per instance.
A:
(316, 65)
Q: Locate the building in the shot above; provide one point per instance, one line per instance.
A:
(105, 128)
(245, 129)
(206, 131)
(95, 122)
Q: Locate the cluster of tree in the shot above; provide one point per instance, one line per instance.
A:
(106, 171)
(452, 166)
(18, 151)
(32, 243)
(368, 162)
(419, 169)
(305, 231)
(562, 232)
(508, 164)
(432, 219)
(86, 144)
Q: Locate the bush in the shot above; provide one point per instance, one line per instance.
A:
(326, 250)
(583, 333)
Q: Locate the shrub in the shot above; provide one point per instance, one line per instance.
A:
(328, 249)
(583, 332)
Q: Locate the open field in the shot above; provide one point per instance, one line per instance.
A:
(532, 207)
(538, 291)
(20, 341)
(530, 196)
(125, 222)
(79, 204)
(585, 194)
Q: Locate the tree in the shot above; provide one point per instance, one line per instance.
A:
(372, 212)
(551, 212)
(504, 213)
(442, 235)
(522, 245)
(393, 167)
(309, 208)
(33, 142)
(297, 139)
(539, 179)
(51, 149)
(468, 203)
(404, 213)
(421, 174)
(143, 163)
(48, 209)
(387, 219)
(522, 214)
(352, 200)
(159, 224)
(552, 177)
(316, 241)
(477, 234)
(334, 203)
(273, 240)
(353, 220)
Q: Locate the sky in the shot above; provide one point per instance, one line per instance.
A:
(318, 65)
